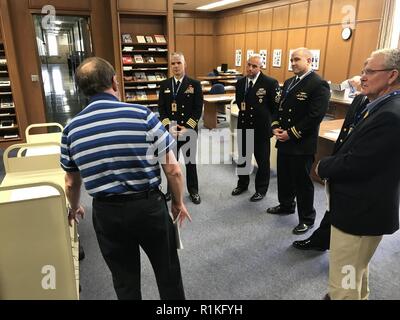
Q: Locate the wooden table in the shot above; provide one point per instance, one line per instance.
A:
(211, 103)
(328, 133)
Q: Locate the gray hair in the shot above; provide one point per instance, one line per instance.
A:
(257, 56)
(179, 55)
(391, 59)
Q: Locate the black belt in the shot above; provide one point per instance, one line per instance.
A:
(128, 197)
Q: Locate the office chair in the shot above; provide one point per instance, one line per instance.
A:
(218, 88)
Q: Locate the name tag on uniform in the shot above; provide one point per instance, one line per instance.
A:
(243, 106)
(167, 91)
(174, 107)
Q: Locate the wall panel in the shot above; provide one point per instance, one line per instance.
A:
(252, 21)
(280, 18)
(185, 44)
(205, 55)
(296, 39)
(265, 20)
(240, 23)
(315, 41)
(278, 41)
(204, 26)
(264, 43)
(370, 9)
(338, 5)
(363, 46)
(142, 5)
(338, 56)
(251, 42)
(298, 15)
(240, 44)
(61, 4)
(184, 25)
(319, 12)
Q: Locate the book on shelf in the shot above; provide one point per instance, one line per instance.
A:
(130, 95)
(149, 39)
(6, 123)
(160, 76)
(160, 38)
(149, 59)
(138, 58)
(140, 76)
(6, 104)
(5, 83)
(127, 68)
(127, 49)
(152, 85)
(141, 39)
(3, 61)
(162, 49)
(152, 49)
(151, 77)
(127, 60)
(126, 38)
(10, 136)
(141, 95)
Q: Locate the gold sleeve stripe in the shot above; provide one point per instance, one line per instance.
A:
(166, 122)
(275, 123)
(294, 131)
(192, 123)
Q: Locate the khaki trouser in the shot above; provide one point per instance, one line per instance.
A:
(348, 265)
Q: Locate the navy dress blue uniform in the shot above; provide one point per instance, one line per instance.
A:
(321, 237)
(187, 113)
(302, 108)
(260, 100)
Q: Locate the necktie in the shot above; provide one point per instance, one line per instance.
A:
(249, 87)
(177, 86)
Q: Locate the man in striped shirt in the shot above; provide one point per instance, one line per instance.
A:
(116, 149)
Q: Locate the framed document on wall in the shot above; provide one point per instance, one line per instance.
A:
(238, 58)
(277, 58)
(249, 54)
(315, 59)
(263, 54)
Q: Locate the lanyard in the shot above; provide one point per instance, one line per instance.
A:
(291, 86)
(174, 94)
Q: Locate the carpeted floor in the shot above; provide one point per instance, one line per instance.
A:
(234, 250)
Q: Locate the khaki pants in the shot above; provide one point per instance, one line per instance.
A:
(348, 265)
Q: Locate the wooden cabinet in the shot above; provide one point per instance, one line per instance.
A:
(9, 129)
(144, 58)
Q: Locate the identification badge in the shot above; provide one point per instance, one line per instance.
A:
(243, 106)
(174, 107)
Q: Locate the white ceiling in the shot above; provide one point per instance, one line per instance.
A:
(191, 5)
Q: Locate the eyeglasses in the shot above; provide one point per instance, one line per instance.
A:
(369, 72)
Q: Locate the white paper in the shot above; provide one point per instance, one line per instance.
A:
(331, 135)
(33, 193)
(178, 239)
(327, 193)
(249, 54)
(263, 54)
(277, 58)
(238, 58)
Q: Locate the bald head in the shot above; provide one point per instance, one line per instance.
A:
(95, 75)
(301, 61)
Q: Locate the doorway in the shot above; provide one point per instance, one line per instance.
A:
(61, 48)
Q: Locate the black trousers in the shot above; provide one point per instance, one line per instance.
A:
(322, 236)
(122, 226)
(261, 153)
(294, 181)
(192, 181)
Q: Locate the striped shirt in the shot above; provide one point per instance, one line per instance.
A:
(115, 146)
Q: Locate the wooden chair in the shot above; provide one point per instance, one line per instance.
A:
(44, 137)
(37, 260)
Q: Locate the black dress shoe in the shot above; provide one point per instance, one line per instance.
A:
(257, 197)
(280, 210)
(307, 244)
(195, 197)
(168, 196)
(302, 228)
(238, 190)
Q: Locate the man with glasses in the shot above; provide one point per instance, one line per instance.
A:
(256, 97)
(303, 104)
(364, 179)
